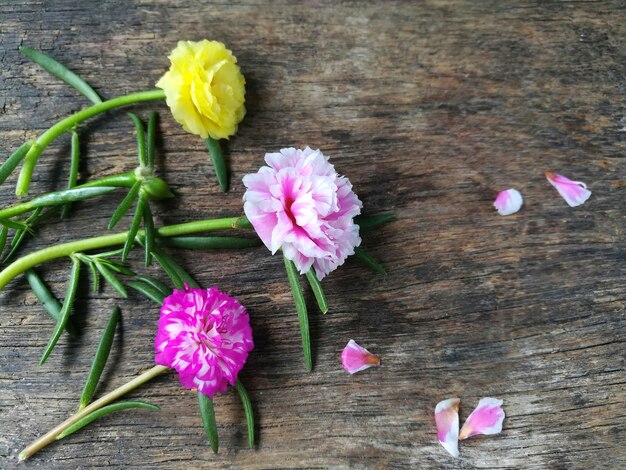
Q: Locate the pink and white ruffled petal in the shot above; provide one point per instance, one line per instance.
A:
(486, 419)
(575, 193)
(508, 202)
(300, 204)
(356, 358)
(447, 422)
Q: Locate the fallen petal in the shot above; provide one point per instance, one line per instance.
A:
(447, 421)
(356, 358)
(574, 192)
(508, 202)
(485, 419)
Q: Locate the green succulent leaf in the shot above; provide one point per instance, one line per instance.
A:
(152, 128)
(247, 408)
(210, 243)
(219, 164)
(366, 259)
(316, 286)
(105, 410)
(100, 359)
(111, 279)
(149, 233)
(62, 72)
(47, 299)
(174, 271)
(303, 318)
(141, 140)
(147, 290)
(64, 314)
(134, 226)
(369, 222)
(15, 159)
(163, 288)
(208, 419)
(74, 161)
(126, 204)
(4, 233)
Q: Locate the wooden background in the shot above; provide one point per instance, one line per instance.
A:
(430, 108)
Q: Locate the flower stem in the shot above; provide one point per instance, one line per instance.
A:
(65, 249)
(30, 160)
(51, 435)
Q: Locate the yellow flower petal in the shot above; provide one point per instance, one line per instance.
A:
(205, 89)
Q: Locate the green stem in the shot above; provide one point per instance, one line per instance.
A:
(65, 249)
(51, 435)
(69, 122)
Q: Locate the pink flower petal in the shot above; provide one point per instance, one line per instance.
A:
(575, 193)
(447, 421)
(485, 419)
(356, 358)
(508, 202)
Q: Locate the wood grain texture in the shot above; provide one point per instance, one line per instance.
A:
(430, 108)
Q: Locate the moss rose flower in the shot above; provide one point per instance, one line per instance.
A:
(205, 89)
(204, 335)
(301, 205)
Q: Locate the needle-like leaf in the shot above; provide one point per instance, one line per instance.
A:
(163, 288)
(47, 299)
(368, 222)
(149, 291)
(95, 275)
(363, 257)
(64, 314)
(111, 279)
(209, 243)
(74, 161)
(69, 195)
(100, 359)
(316, 286)
(174, 271)
(303, 318)
(148, 229)
(134, 226)
(126, 204)
(11, 163)
(105, 410)
(62, 72)
(14, 224)
(217, 157)
(4, 233)
(141, 140)
(208, 419)
(247, 408)
(152, 128)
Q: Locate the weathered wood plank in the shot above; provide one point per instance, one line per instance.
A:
(430, 108)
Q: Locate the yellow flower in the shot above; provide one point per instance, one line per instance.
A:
(205, 89)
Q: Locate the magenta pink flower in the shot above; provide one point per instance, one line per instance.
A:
(205, 335)
(300, 205)
(356, 358)
(575, 193)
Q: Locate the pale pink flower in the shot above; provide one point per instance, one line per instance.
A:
(356, 358)
(205, 335)
(447, 421)
(575, 193)
(486, 419)
(301, 205)
(508, 202)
